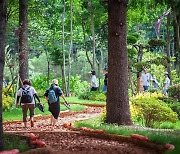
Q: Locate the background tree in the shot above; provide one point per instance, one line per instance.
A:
(2, 61)
(117, 95)
(23, 46)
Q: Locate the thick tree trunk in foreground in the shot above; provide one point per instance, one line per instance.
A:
(117, 95)
(23, 46)
(2, 54)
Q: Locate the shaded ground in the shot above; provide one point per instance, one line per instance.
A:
(63, 141)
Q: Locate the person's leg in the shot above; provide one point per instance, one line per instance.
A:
(24, 111)
(51, 120)
(31, 109)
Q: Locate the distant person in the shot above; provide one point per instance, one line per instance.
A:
(166, 83)
(93, 84)
(27, 94)
(155, 84)
(105, 72)
(146, 80)
(52, 96)
(4, 82)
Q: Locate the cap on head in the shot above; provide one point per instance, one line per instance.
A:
(54, 81)
(93, 72)
(166, 73)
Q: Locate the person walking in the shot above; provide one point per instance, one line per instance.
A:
(166, 83)
(27, 95)
(93, 84)
(155, 84)
(52, 96)
(105, 72)
(146, 80)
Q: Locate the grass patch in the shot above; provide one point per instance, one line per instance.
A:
(16, 114)
(75, 100)
(15, 142)
(161, 137)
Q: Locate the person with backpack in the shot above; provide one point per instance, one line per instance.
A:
(27, 95)
(52, 96)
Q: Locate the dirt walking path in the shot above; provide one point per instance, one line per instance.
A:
(64, 141)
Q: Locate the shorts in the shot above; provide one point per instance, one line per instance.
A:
(25, 109)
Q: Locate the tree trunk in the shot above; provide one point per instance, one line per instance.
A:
(139, 48)
(70, 51)
(131, 83)
(2, 61)
(168, 47)
(84, 36)
(93, 36)
(117, 94)
(63, 50)
(23, 46)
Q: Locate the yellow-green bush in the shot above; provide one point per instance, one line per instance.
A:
(151, 110)
(7, 99)
(147, 109)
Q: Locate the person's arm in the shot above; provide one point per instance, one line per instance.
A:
(36, 96)
(63, 97)
(17, 101)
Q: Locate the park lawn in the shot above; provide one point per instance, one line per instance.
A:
(16, 113)
(76, 100)
(161, 137)
(15, 142)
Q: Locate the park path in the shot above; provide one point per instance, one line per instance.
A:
(64, 141)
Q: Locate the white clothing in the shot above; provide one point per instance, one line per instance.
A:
(32, 90)
(94, 81)
(146, 79)
(167, 83)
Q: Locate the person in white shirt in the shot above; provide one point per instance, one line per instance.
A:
(166, 83)
(93, 84)
(146, 80)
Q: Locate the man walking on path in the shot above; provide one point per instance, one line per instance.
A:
(146, 77)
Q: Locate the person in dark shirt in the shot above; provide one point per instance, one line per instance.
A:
(105, 79)
(54, 108)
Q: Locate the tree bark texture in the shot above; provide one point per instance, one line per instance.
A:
(117, 95)
(2, 61)
(23, 45)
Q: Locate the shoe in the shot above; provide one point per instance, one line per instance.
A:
(32, 123)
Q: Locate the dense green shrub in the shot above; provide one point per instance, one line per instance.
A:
(7, 99)
(93, 95)
(77, 86)
(174, 91)
(151, 110)
(174, 105)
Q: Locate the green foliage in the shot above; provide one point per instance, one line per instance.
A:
(16, 142)
(168, 125)
(174, 105)
(151, 110)
(7, 99)
(131, 39)
(94, 95)
(77, 86)
(40, 82)
(156, 42)
(174, 91)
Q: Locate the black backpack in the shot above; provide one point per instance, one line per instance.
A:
(26, 95)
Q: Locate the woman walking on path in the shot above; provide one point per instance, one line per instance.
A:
(166, 83)
(52, 96)
(27, 94)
